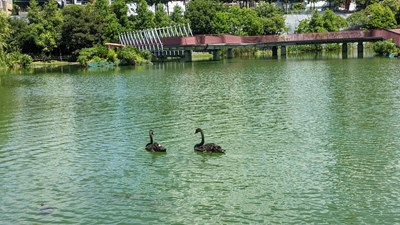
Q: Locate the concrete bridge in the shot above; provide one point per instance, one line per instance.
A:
(163, 42)
(215, 43)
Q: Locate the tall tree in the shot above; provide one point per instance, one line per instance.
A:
(177, 15)
(161, 18)
(394, 5)
(326, 22)
(50, 36)
(274, 22)
(237, 21)
(144, 18)
(200, 14)
(380, 17)
(46, 25)
(120, 9)
(23, 37)
(82, 28)
(5, 32)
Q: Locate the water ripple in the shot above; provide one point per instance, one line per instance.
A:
(307, 142)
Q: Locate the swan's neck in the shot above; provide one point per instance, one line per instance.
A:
(202, 138)
(151, 139)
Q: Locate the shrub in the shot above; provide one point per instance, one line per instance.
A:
(87, 54)
(128, 55)
(146, 55)
(385, 47)
(123, 56)
(112, 56)
(17, 60)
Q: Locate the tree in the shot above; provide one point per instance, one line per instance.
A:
(177, 15)
(200, 14)
(22, 37)
(332, 22)
(112, 26)
(82, 28)
(120, 9)
(144, 18)
(357, 20)
(394, 5)
(161, 18)
(326, 22)
(46, 24)
(237, 21)
(379, 17)
(274, 22)
(34, 15)
(362, 4)
(5, 33)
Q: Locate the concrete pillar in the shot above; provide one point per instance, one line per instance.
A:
(274, 52)
(360, 49)
(230, 53)
(216, 54)
(344, 50)
(188, 55)
(283, 52)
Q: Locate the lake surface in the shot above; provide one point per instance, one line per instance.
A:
(308, 141)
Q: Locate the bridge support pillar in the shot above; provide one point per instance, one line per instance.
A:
(216, 54)
(360, 49)
(188, 55)
(230, 53)
(274, 52)
(344, 50)
(283, 52)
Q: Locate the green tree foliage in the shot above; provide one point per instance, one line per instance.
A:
(34, 13)
(161, 18)
(376, 16)
(326, 22)
(120, 9)
(46, 25)
(22, 38)
(144, 18)
(357, 20)
(380, 17)
(13, 59)
(177, 15)
(16, 60)
(237, 21)
(332, 22)
(385, 47)
(274, 22)
(124, 56)
(112, 26)
(200, 14)
(82, 28)
(5, 32)
(365, 3)
(394, 5)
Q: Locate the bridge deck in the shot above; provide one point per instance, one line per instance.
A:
(209, 42)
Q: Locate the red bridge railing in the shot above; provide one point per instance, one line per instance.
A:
(305, 38)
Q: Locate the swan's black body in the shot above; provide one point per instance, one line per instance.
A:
(207, 148)
(154, 147)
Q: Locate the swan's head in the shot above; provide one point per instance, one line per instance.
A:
(198, 130)
(151, 132)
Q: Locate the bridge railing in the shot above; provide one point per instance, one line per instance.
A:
(270, 39)
(150, 39)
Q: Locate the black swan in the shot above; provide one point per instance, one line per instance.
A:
(154, 147)
(208, 148)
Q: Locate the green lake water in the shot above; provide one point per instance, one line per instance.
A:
(308, 141)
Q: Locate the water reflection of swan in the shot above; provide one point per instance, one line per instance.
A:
(46, 209)
(209, 148)
(154, 147)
